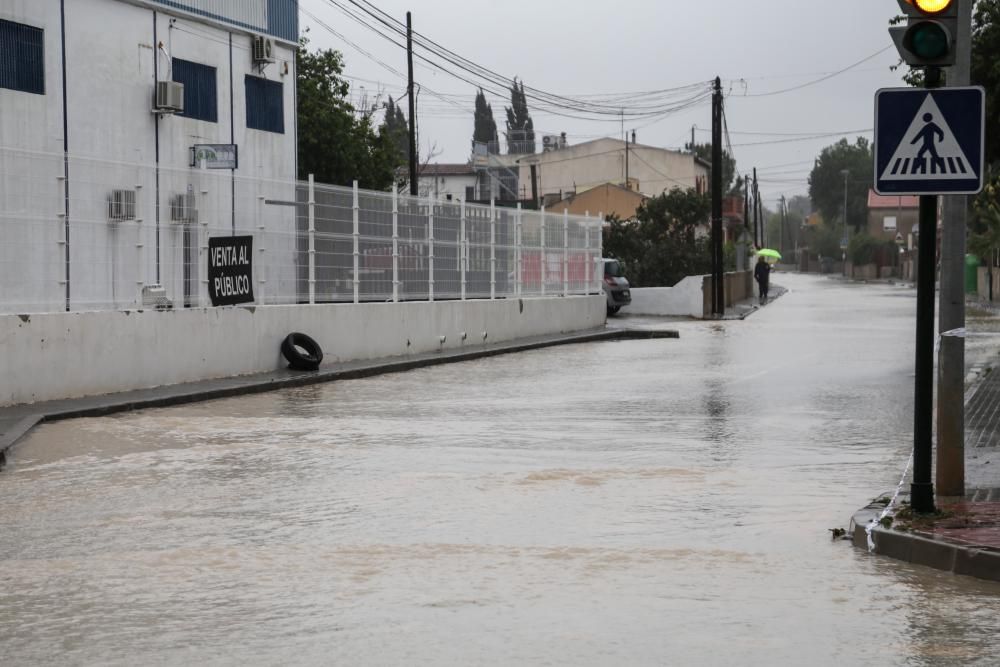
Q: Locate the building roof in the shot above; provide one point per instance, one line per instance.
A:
(876, 200)
(447, 170)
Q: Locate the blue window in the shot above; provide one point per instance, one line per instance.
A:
(265, 105)
(22, 57)
(200, 98)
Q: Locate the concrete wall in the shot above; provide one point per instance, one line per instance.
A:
(67, 355)
(682, 300)
(984, 284)
(737, 286)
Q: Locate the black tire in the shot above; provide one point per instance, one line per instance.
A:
(612, 310)
(302, 352)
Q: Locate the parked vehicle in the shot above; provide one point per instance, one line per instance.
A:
(616, 285)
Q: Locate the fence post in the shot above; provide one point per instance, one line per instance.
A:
(565, 262)
(544, 264)
(599, 275)
(312, 240)
(430, 247)
(463, 249)
(356, 234)
(493, 249)
(261, 231)
(517, 251)
(588, 255)
(395, 245)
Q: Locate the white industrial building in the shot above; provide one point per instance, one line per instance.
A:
(102, 106)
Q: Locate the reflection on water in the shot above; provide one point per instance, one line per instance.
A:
(643, 502)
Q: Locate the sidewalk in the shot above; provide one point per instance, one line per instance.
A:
(964, 537)
(17, 420)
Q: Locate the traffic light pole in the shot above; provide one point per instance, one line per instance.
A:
(922, 488)
(950, 476)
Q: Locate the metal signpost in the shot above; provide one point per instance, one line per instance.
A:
(928, 142)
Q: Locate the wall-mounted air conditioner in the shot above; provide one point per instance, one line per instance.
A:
(263, 50)
(169, 97)
(182, 209)
(121, 205)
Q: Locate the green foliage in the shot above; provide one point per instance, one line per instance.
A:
(986, 69)
(704, 151)
(861, 249)
(520, 128)
(485, 129)
(397, 129)
(661, 247)
(823, 240)
(985, 220)
(335, 143)
(826, 182)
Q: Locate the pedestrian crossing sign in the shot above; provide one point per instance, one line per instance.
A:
(929, 142)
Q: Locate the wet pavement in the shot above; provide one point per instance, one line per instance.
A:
(631, 502)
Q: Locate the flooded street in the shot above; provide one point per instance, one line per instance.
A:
(642, 502)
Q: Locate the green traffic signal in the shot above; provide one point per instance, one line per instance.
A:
(928, 40)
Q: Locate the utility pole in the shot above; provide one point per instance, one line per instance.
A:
(626, 162)
(950, 476)
(756, 219)
(718, 291)
(413, 106)
(784, 216)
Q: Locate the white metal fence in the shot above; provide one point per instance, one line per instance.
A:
(83, 234)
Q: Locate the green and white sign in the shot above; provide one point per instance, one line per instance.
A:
(215, 156)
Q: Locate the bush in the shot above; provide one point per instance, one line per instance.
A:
(861, 249)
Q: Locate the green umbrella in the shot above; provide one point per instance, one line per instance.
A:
(767, 252)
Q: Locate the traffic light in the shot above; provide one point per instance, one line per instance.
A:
(928, 39)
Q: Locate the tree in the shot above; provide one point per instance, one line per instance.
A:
(826, 182)
(336, 143)
(397, 130)
(704, 151)
(520, 128)
(986, 69)
(660, 247)
(485, 129)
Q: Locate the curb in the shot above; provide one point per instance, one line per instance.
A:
(922, 549)
(20, 419)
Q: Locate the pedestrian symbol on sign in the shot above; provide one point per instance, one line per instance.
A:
(929, 147)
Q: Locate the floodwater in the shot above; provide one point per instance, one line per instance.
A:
(634, 503)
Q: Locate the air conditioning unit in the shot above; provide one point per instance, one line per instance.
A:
(169, 97)
(550, 142)
(121, 205)
(263, 50)
(182, 209)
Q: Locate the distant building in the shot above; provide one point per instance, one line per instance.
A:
(447, 182)
(893, 218)
(608, 199)
(572, 169)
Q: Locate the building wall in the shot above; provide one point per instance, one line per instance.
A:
(906, 219)
(587, 165)
(606, 199)
(99, 115)
(442, 186)
(65, 355)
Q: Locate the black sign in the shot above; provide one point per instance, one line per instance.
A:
(230, 270)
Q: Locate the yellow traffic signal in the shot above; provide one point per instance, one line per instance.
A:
(933, 6)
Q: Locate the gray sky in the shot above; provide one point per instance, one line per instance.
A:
(587, 48)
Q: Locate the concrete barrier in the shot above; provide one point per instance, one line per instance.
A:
(682, 300)
(69, 355)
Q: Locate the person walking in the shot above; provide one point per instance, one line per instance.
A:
(762, 273)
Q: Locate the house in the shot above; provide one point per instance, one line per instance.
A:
(571, 169)
(609, 199)
(893, 218)
(447, 182)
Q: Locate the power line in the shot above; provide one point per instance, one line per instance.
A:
(821, 79)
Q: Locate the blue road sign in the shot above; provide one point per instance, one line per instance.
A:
(929, 142)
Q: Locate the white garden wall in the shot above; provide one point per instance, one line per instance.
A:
(68, 355)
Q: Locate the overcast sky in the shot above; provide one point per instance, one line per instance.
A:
(579, 48)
